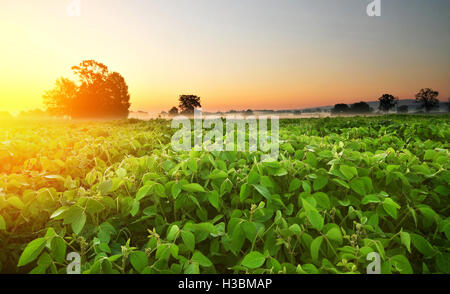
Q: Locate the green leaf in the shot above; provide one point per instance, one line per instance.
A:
(341, 183)
(443, 262)
(139, 260)
(32, 251)
(263, 191)
(244, 192)
(249, 230)
(357, 185)
(402, 264)
(348, 171)
(319, 183)
(59, 212)
(237, 239)
(78, 224)
(295, 185)
(16, 202)
(192, 164)
(322, 200)
(316, 220)
(135, 205)
(93, 206)
(175, 190)
(253, 260)
(205, 227)
(144, 191)
(295, 228)
(192, 269)
(313, 216)
(188, 239)
(72, 214)
(58, 249)
(315, 247)
(171, 235)
(406, 240)
(201, 259)
(2, 224)
(422, 245)
(105, 187)
(446, 230)
(370, 199)
(174, 249)
(213, 198)
(391, 207)
(218, 174)
(335, 235)
(194, 187)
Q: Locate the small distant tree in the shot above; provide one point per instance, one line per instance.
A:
(340, 108)
(387, 102)
(248, 112)
(403, 109)
(361, 107)
(188, 103)
(427, 99)
(173, 111)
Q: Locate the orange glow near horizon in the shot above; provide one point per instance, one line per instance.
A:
(303, 58)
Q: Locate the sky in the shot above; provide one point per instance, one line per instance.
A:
(234, 54)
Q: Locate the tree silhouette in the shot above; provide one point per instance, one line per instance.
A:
(59, 99)
(98, 94)
(340, 108)
(248, 112)
(188, 103)
(427, 99)
(173, 111)
(387, 101)
(361, 107)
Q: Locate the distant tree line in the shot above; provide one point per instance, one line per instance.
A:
(426, 99)
(360, 107)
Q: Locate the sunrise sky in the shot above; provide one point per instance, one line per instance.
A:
(235, 54)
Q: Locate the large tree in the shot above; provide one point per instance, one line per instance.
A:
(188, 103)
(387, 101)
(340, 108)
(427, 99)
(361, 107)
(98, 93)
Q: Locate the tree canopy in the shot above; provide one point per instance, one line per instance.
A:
(340, 108)
(173, 111)
(387, 102)
(98, 93)
(360, 107)
(188, 103)
(427, 99)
